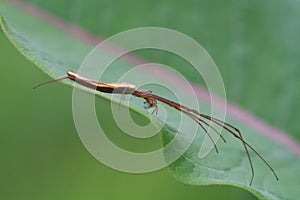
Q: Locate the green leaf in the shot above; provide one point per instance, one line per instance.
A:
(55, 52)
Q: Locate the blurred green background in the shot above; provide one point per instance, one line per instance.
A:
(254, 43)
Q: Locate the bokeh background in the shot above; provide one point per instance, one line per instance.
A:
(254, 43)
